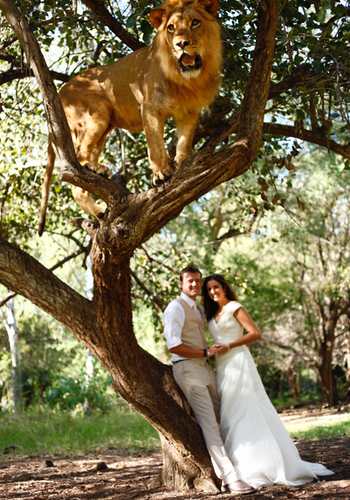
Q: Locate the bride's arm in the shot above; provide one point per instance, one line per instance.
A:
(253, 332)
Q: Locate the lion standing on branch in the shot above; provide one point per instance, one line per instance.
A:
(176, 76)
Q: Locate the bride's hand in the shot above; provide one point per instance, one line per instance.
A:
(215, 349)
(212, 351)
(221, 348)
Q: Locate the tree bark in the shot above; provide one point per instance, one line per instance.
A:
(293, 379)
(326, 354)
(58, 129)
(326, 377)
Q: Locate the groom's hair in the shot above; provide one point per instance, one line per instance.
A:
(189, 269)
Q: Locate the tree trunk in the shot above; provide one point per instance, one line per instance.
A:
(12, 333)
(326, 355)
(144, 382)
(293, 380)
(326, 377)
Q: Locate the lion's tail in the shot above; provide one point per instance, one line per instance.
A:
(45, 188)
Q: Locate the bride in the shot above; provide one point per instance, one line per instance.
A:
(254, 436)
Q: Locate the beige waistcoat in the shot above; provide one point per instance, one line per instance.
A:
(193, 329)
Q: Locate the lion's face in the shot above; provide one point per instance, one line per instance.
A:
(184, 32)
(189, 29)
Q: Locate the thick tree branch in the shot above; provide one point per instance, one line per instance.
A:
(25, 275)
(314, 136)
(258, 88)
(101, 12)
(219, 128)
(318, 136)
(53, 268)
(87, 179)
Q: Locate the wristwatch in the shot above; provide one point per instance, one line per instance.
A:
(205, 353)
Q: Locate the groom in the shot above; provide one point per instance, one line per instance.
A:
(184, 327)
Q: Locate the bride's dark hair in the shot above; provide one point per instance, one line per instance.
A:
(210, 306)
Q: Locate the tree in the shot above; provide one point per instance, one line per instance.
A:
(229, 142)
(12, 333)
(319, 249)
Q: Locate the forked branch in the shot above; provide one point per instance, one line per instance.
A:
(147, 212)
(25, 275)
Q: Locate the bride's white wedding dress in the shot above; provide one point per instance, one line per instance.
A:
(254, 435)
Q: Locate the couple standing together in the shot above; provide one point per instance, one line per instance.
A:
(248, 445)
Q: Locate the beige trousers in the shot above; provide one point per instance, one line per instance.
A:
(197, 381)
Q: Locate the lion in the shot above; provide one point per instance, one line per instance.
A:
(176, 76)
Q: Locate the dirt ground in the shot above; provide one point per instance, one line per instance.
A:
(114, 475)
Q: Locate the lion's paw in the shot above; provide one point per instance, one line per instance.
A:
(104, 171)
(160, 177)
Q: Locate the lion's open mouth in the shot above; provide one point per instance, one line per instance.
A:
(189, 62)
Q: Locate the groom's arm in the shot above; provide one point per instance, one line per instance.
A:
(187, 351)
(174, 320)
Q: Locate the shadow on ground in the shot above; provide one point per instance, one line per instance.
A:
(113, 475)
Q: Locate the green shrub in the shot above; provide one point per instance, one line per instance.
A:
(67, 393)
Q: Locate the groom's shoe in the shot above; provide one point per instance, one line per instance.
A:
(239, 488)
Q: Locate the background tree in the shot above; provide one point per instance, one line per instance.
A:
(10, 323)
(307, 100)
(318, 247)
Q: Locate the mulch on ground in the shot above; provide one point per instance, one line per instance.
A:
(115, 475)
